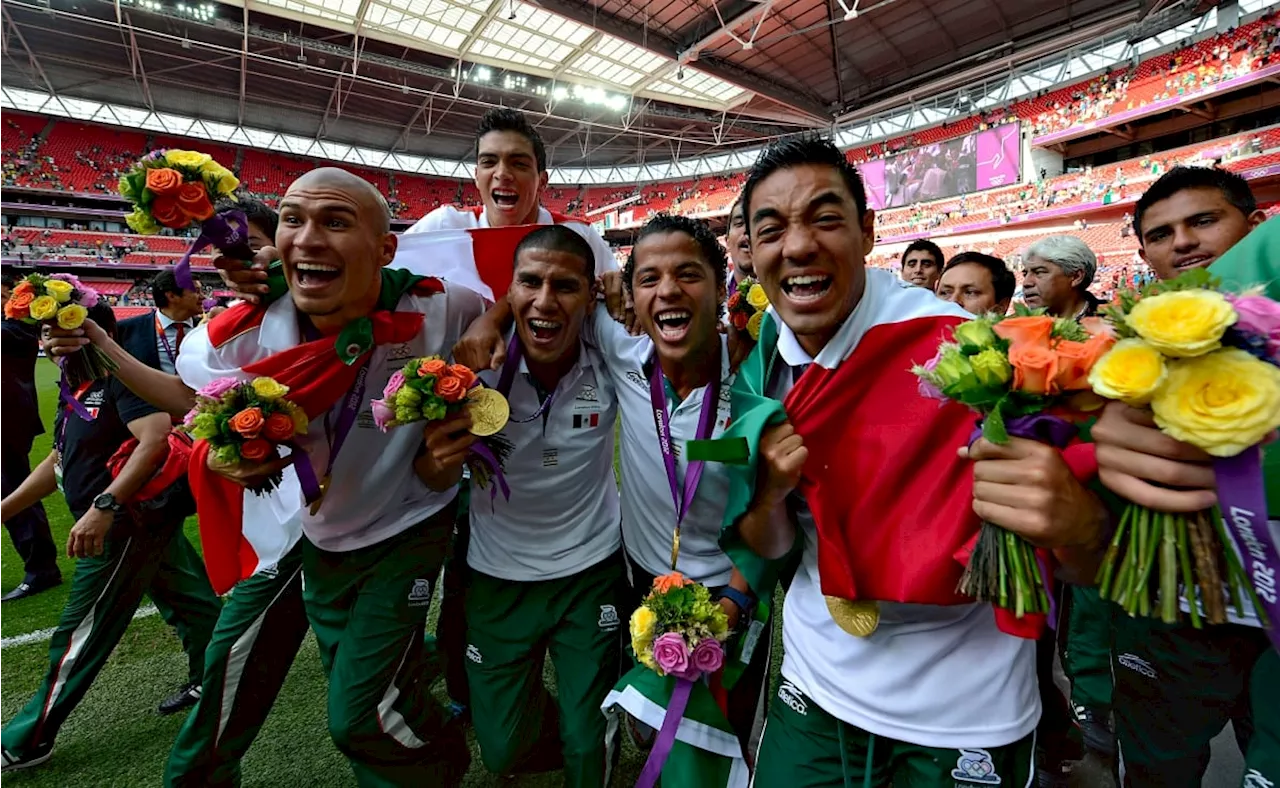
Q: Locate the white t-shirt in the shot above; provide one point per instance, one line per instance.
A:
(648, 511)
(562, 517)
(447, 217)
(374, 492)
(935, 676)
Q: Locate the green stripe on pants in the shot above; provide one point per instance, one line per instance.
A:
(511, 625)
(105, 593)
(368, 608)
(258, 635)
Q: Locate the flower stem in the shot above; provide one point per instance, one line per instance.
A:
(1168, 570)
(1188, 579)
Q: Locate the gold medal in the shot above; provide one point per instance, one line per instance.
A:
(858, 617)
(489, 411)
(324, 488)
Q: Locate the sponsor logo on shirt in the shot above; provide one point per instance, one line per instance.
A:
(550, 458)
(791, 695)
(1254, 779)
(95, 397)
(420, 594)
(975, 767)
(473, 654)
(587, 393)
(635, 377)
(608, 618)
(400, 352)
(1137, 663)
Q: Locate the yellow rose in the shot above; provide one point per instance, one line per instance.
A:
(187, 158)
(268, 388)
(299, 416)
(991, 366)
(1131, 371)
(60, 290)
(756, 297)
(227, 184)
(1223, 402)
(1182, 323)
(141, 222)
(43, 308)
(72, 316)
(753, 325)
(643, 622)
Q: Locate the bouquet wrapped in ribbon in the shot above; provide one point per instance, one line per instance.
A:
(177, 188)
(1023, 374)
(1207, 364)
(63, 301)
(430, 389)
(747, 307)
(246, 421)
(678, 635)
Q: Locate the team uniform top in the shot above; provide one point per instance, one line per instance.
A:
(374, 493)
(87, 445)
(936, 676)
(536, 535)
(648, 511)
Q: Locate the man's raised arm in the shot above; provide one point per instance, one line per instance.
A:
(162, 390)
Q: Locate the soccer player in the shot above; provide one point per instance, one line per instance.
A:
(1058, 272)
(1176, 686)
(122, 554)
(977, 282)
(546, 567)
(738, 243)
(922, 264)
(936, 695)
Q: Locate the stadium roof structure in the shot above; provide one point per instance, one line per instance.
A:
(613, 85)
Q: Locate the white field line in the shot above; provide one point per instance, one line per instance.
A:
(45, 634)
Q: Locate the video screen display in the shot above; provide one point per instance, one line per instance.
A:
(981, 160)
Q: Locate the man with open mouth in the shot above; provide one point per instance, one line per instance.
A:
(880, 692)
(738, 243)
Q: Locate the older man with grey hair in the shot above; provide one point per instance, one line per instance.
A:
(1058, 272)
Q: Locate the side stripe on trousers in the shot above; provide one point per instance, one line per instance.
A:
(393, 722)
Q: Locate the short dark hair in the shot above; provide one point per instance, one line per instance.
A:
(1001, 277)
(925, 245)
(102, 314)
(506, 119)
(559, 238)
(698, 230)
(256, 212)
(162, 284)
(794, 152)
(1233, 187)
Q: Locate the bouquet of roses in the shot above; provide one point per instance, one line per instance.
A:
(177, 188)
(678, 630)
(1207, 363)
(60, 300)
(248, 421)
(429, 389)
(1024, 374)
(747, 306)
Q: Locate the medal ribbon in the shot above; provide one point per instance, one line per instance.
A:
(164, 338)
(515, 352)
(682, 498)
(312, 489)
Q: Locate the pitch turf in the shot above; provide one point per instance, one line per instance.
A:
(115, 738)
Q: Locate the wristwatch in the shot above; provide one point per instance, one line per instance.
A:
(746, 605)
(107, 502)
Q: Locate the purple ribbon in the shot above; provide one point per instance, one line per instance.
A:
(228, 231)
(482, 451)
(667, 736)
(693, 472)
(1243, 502)
(515, 351)
(72, 401)
(1054, 431)
(346, 419)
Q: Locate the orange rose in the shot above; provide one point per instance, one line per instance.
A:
(255, 450)
(19, 303)
(450, 389)
(463, 372)
(1035, 368)
(1026, 330)
(432, 366)
(248, 422)
(193, 199)
(24, 287)
(664, 583)
(1075, 359)
(279, 427)
(739, 321)
(163, 180)
(166, 211)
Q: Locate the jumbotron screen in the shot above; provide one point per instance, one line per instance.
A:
(981, 160)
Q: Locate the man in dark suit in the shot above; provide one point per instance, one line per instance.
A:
(30, 528)
(154, 338)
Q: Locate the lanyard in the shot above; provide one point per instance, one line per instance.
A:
(514, 353)
(164, 339)
(314, 491)
(74, 405)
(682, 498)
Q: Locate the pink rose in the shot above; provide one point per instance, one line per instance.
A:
(395, 384)
(708, 657)
(1259, 315)
(927, 389)
(217, 387)
(672, 654)
(383, 414)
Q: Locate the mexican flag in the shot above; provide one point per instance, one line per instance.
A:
(706, 752)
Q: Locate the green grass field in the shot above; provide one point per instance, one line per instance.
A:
(116, 738)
